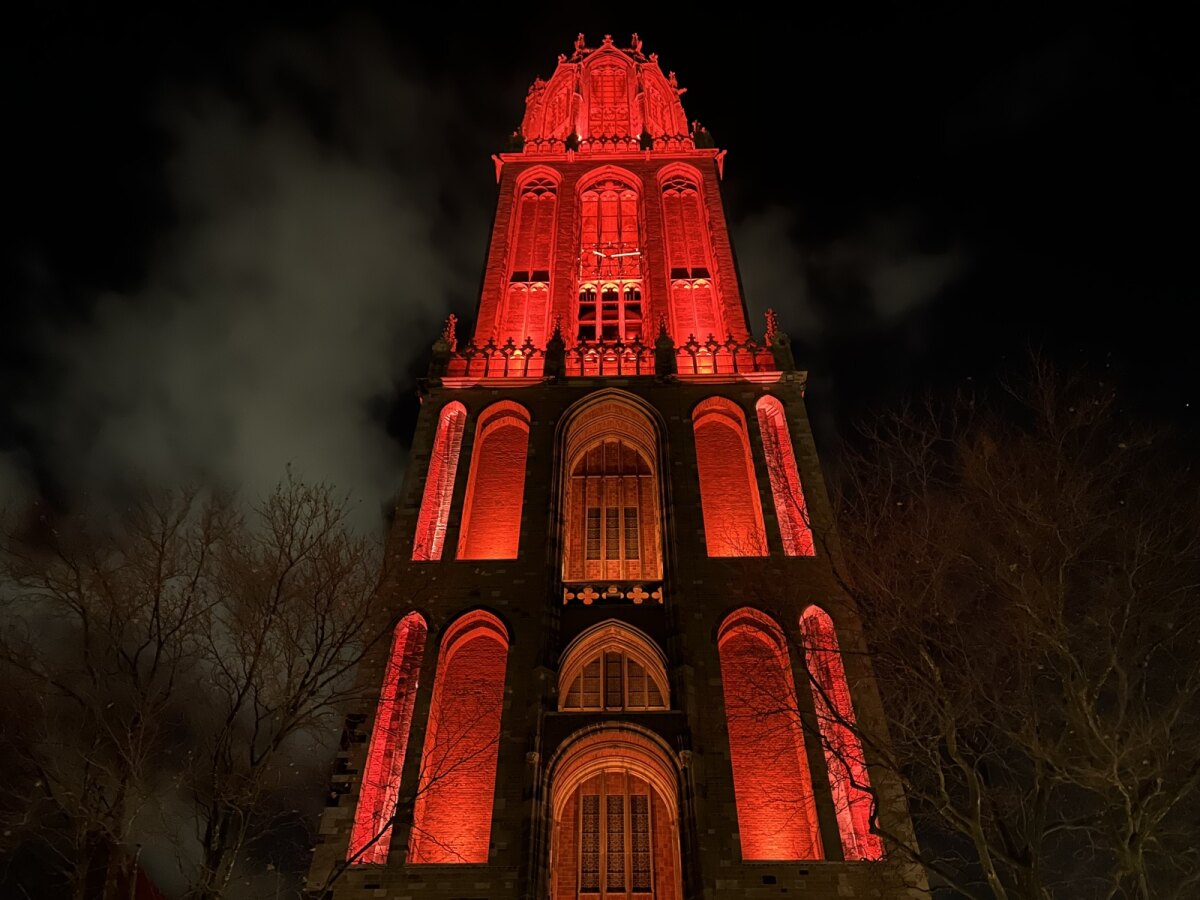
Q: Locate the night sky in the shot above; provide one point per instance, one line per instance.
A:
(233, 234)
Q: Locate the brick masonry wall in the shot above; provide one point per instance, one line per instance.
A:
(526, 595)
(648, 170)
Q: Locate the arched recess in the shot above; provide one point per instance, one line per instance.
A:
(694, 308)
(531, 253)
(609, 91)
(614, 808)
(733, 521)
(452, 818)
(491, 519)
(439, 483)
(777, 816)
(611, 494)
(848, 778)
(790, 507)
(612, 666)
(611, 286)
(380, 786)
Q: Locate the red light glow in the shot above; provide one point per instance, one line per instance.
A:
(843, 750)
(785, 479)
(385, 756)
(777, 817)
(439, 484)
(491, 520)
(733, 522)
(452, 819)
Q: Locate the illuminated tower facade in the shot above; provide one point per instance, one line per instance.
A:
(617, 667)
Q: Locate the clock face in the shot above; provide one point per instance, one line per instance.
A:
(611, 260)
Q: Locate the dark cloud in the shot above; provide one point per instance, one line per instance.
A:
(868, 279)
(313, 252)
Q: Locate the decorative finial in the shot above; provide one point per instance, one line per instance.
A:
(662, 325)
(580, 43)
(772, 325)
(449, 332)
(636, 43)
(608, 40)
(654, 58)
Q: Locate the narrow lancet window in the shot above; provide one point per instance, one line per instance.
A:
(527, 299)
(733, 522)
(610, 263)
(848, 778)
(452, 819)
(371, 836)
(790, 507)
(491, 520)
(693, 302)
(777, 816)
(439, 484)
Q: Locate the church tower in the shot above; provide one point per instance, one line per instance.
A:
(617, 667)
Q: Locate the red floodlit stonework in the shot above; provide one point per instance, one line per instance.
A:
(452, 819)
(385, 757)
(439, 483)
(620, 427)
(777, 817)
(612, 523)
(785, 479)
(491, 520)
(733, 522)
(615, 817)
(527, 297)
(848, 776)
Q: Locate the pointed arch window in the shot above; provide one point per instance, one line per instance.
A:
(491, 519)
(733, 522)
(610, 263)
(788, 493)
(848, 778)
(452, 819)
(611, 521)
(439, 483)
(380, 788)
(527, 303)
(777, 817)
(612, 667)
(694, 310)
(608, 105)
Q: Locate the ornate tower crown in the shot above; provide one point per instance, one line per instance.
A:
(605, 98)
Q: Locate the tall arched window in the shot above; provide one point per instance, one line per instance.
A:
(614, 815)
(610, 262)
(785, 479)
(452, 819)
(491, 519)
(777, 817)
(608, 101)
(389, 738)
(693, 301)
(527, 300)
(611, 522)
(439, 483)
(848, 778)
(733, 522)
(612, 666)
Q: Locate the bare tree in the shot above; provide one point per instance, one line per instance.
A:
(101, 627)
(1024, 569)
(179, 651)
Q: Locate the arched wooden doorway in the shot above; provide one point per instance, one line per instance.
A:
(615, 832)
